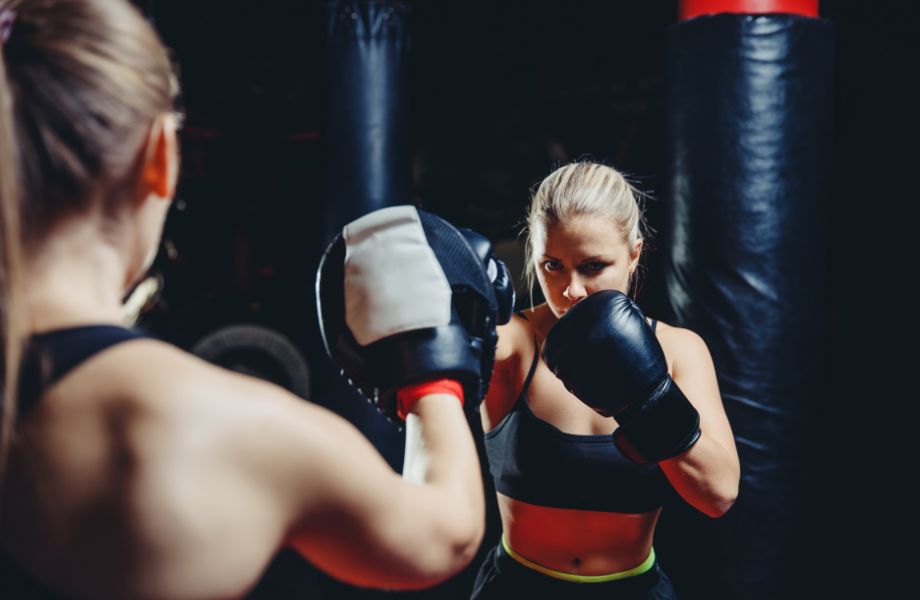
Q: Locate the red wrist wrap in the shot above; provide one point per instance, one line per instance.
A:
(409, 395)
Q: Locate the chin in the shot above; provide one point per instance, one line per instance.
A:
(558, 311)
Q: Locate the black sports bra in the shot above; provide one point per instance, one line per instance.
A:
(47, 358)
(533, 461)
(50, 356)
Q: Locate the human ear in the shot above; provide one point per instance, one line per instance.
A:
(634, 255)
(161, 158)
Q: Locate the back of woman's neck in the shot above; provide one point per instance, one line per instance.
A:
(73, 282)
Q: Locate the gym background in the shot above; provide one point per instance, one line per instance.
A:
(493, 96)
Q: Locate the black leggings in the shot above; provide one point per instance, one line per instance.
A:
(502, 577)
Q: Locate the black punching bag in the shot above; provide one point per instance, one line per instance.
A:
(749, 109)
(366, 129)
(366, 156)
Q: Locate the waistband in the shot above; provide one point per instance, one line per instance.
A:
(644, 567)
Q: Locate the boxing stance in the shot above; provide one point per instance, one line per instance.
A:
(595, 412)
(134, 469)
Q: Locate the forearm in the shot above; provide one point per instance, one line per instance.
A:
(441, 455)
(706, 476)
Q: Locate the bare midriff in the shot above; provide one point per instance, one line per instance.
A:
(580, 542)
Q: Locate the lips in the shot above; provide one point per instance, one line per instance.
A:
(563, 310)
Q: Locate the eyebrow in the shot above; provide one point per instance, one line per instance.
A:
(595, 258)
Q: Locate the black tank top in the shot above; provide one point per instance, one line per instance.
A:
(47, 358)
(533, 461)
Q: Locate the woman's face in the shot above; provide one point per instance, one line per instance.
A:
(581, 256)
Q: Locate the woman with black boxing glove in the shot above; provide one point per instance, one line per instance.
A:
(595, 410)
(133, 469)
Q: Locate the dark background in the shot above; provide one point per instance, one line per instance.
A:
(500, 93)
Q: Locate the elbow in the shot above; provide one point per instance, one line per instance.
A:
(426, 560)
(450, 546)
(725, 493)
(436, 538)
(721, 501)
(444, 557)
(718, 507)
(471, 545)
(462, 543)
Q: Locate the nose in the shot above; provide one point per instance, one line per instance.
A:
(575, 290)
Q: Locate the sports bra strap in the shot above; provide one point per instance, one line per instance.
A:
(50, 356)
(536, 358)
(533, 367)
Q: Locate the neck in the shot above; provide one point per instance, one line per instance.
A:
(76, 277)
(542, 319)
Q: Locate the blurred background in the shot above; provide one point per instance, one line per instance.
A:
(496, 95)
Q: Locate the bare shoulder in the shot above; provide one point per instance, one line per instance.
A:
(515, 338)
(212, 455)
(231, 418)
(541, 319)
(188, 395)
(682, 346)
(182, 417)
(150, 370)
(679, 339)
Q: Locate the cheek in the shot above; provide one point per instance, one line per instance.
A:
(620, 272)
(541, 280)
(549, 285)
(613, 278)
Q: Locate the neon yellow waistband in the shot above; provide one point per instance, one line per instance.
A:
(647, 564)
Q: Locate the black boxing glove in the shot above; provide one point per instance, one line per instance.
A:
(404, 300)
(605, 353)
(497, 272)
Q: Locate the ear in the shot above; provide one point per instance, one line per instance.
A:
(161, 159)
(634, 255)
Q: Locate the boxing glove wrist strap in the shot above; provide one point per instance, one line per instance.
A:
(659, 428)
(407, 397)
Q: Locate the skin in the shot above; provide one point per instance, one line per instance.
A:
(582, 256)
(148, 473)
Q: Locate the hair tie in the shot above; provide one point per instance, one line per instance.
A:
(7, 18)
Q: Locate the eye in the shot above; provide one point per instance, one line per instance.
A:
(551, 265)
(593, 267)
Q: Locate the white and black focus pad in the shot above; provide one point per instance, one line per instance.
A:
(393, 282)
(403, 298)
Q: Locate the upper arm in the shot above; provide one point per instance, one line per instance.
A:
(341, 504)
(515, 346)
(513, 337)
(694, 372)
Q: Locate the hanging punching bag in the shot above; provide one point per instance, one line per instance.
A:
(749, 109)
(366, 130)
(366, 158)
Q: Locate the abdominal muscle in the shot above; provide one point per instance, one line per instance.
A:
(579, 542)
(574, 541)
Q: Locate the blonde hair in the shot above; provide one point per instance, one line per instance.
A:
(583, 189)
(81, 81)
